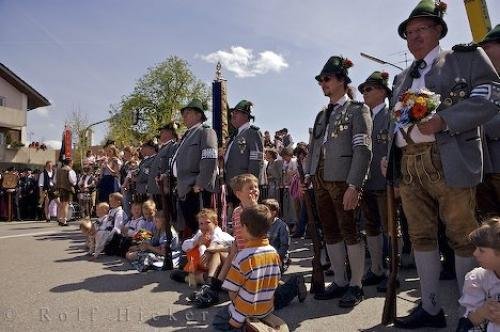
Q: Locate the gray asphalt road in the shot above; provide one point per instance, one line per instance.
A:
(48, 284)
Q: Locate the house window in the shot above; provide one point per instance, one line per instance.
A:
(2, 101)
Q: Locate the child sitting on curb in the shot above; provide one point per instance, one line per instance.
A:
(278, 233)
(151, 253)
(254, 273)
(210, 244)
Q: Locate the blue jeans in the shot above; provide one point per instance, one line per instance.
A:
(221, 320)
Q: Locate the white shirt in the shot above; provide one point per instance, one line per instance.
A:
(218, 237)
(240, 130)
(41, 179)
(480, 285)
(419, 83)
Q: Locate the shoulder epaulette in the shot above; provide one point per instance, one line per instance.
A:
(254, 127)
(465, 47)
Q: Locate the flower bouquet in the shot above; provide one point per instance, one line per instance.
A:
(143, 235)
(415, 106)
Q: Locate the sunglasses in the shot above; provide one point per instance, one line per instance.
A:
(367, 89)
(323, 79)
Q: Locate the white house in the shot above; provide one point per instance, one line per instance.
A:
(17, 98)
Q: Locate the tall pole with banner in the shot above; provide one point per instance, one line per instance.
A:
(220, 123)
(220, 107)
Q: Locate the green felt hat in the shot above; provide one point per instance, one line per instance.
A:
(377, 78)
(196, 105)
(244, 106)
(434, 9)
(492, 36)
(336, 65)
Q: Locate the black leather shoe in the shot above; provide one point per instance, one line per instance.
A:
(371, 278)
(352, 297)
(382, 286)
(331, 292)
(419, 318)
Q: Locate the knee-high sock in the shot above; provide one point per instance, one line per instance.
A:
(463, 265)
(356, 254)
(375, 247)
(428, 268)
(337, 255)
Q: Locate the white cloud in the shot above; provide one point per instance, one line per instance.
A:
(43, 111)
(243, 63)
(56, 145)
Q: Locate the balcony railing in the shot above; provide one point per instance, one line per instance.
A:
(12, 118)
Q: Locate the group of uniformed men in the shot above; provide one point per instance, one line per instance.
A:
(355, 147)
(436, 165)
(190, 165)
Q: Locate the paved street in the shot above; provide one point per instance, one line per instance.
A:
(48, 284)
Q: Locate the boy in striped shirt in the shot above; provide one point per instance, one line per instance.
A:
(246, 189)
(254, 274)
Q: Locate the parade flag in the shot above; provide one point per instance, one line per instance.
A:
(220, 107)
(66, 146)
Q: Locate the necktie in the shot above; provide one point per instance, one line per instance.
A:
(329, 110)
(417, 65)
(233, 135)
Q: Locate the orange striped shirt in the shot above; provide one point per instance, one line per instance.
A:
(254, 276)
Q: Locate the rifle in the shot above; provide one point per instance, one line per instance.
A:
(389, 312)
(318, 278)
(168, 211)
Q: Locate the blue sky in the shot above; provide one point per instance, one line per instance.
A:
(87, 54)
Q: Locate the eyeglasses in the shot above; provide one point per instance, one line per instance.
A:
(418, 31)
(323, 79)
(367, 89)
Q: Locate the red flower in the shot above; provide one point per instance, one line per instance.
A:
(441, 6)
(418, 112)
(385, 75)
(347, 63)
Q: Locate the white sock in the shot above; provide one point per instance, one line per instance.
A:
(463, 265)
(337, 255)
(428, 268)
(356, 254)
(375, 247)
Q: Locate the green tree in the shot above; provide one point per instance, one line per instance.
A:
(162, 91)
(78, 123)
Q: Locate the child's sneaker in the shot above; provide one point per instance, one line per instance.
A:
(207, 299)
(197, 294)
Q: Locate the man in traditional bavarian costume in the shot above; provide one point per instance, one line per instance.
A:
(488, 192)
(46, 185)
(244, 153)
(194, 165)
(148, 152)
(160, 164)
(339, 160)
(374, 204)
(438, 162)
(65, 182)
